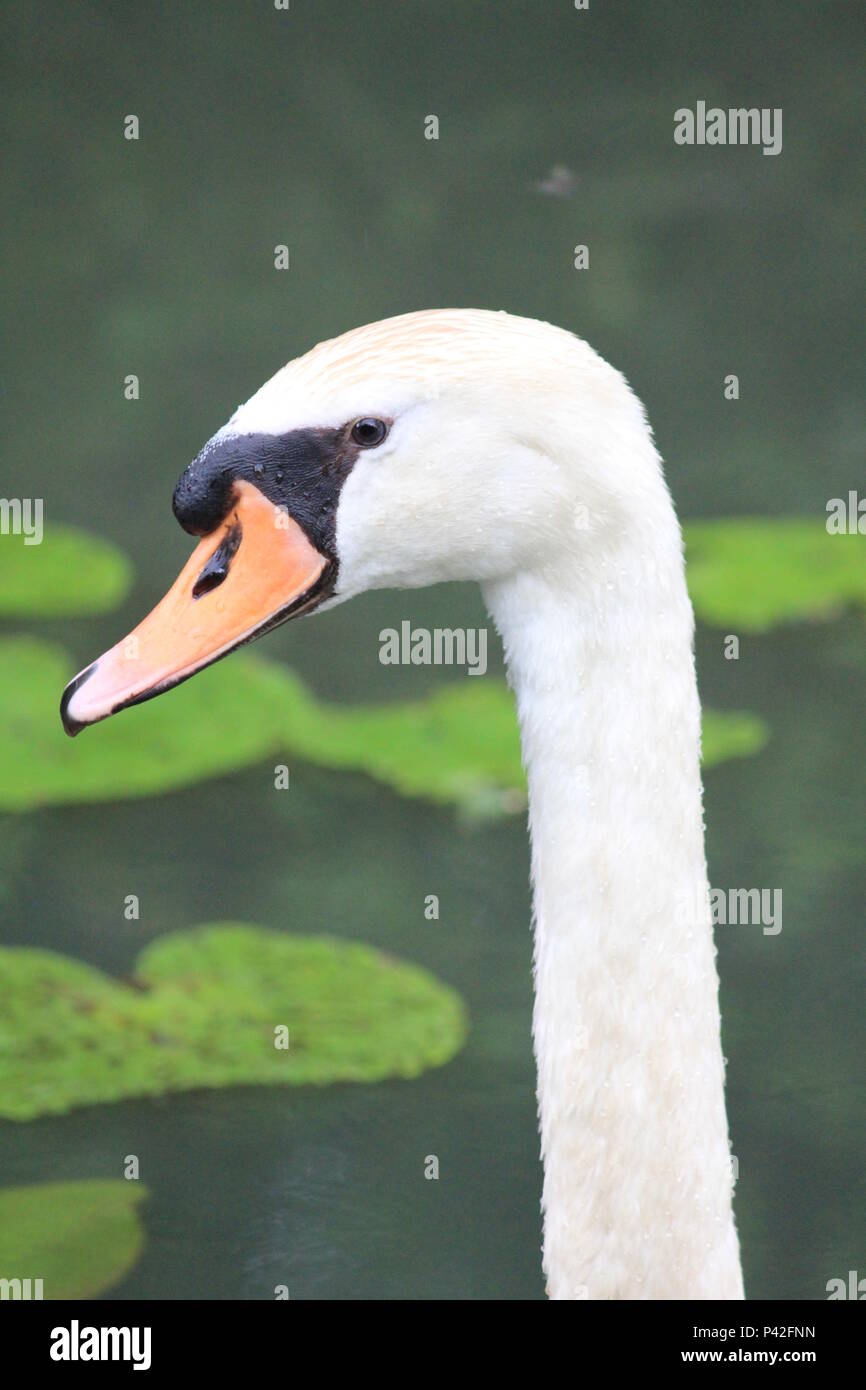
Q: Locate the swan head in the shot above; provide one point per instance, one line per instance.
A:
(439, 445)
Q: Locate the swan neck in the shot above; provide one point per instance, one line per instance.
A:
(637, 1180)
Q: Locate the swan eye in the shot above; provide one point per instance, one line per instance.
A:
(368, 432)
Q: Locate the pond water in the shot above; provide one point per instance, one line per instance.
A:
(156, 258)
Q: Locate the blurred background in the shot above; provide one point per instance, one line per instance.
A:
(156, 257)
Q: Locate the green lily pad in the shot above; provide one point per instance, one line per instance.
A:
(68, 574)
(202, 1011)
(459, 746)
(728, 734)
(225, 719)
(79, 1238)
(753, 573)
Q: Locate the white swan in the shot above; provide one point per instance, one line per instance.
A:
(472, 445)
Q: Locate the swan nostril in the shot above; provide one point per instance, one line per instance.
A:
(210, 578)
(217, 568)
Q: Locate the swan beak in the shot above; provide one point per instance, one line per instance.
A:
(254, 571)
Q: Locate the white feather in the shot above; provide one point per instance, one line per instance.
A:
(520, 459)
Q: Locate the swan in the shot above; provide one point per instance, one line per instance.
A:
(476, 445)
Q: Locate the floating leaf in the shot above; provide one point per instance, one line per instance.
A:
(754, 572)
(730, 734)
(69, 573)
(226, 719)
(203, 1012)
(79, 1238)
(460, 745)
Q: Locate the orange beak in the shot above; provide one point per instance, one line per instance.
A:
(254, 571)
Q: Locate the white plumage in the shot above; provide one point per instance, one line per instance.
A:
(507, 452)
(520, 459)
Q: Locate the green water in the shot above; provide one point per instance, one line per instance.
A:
(156, 257)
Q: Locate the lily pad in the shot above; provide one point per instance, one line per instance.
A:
(459, 746)
(728, 734)
(227, 718)
(202, 1011)
(753, 573)
(79, 1238)
(68, 574)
